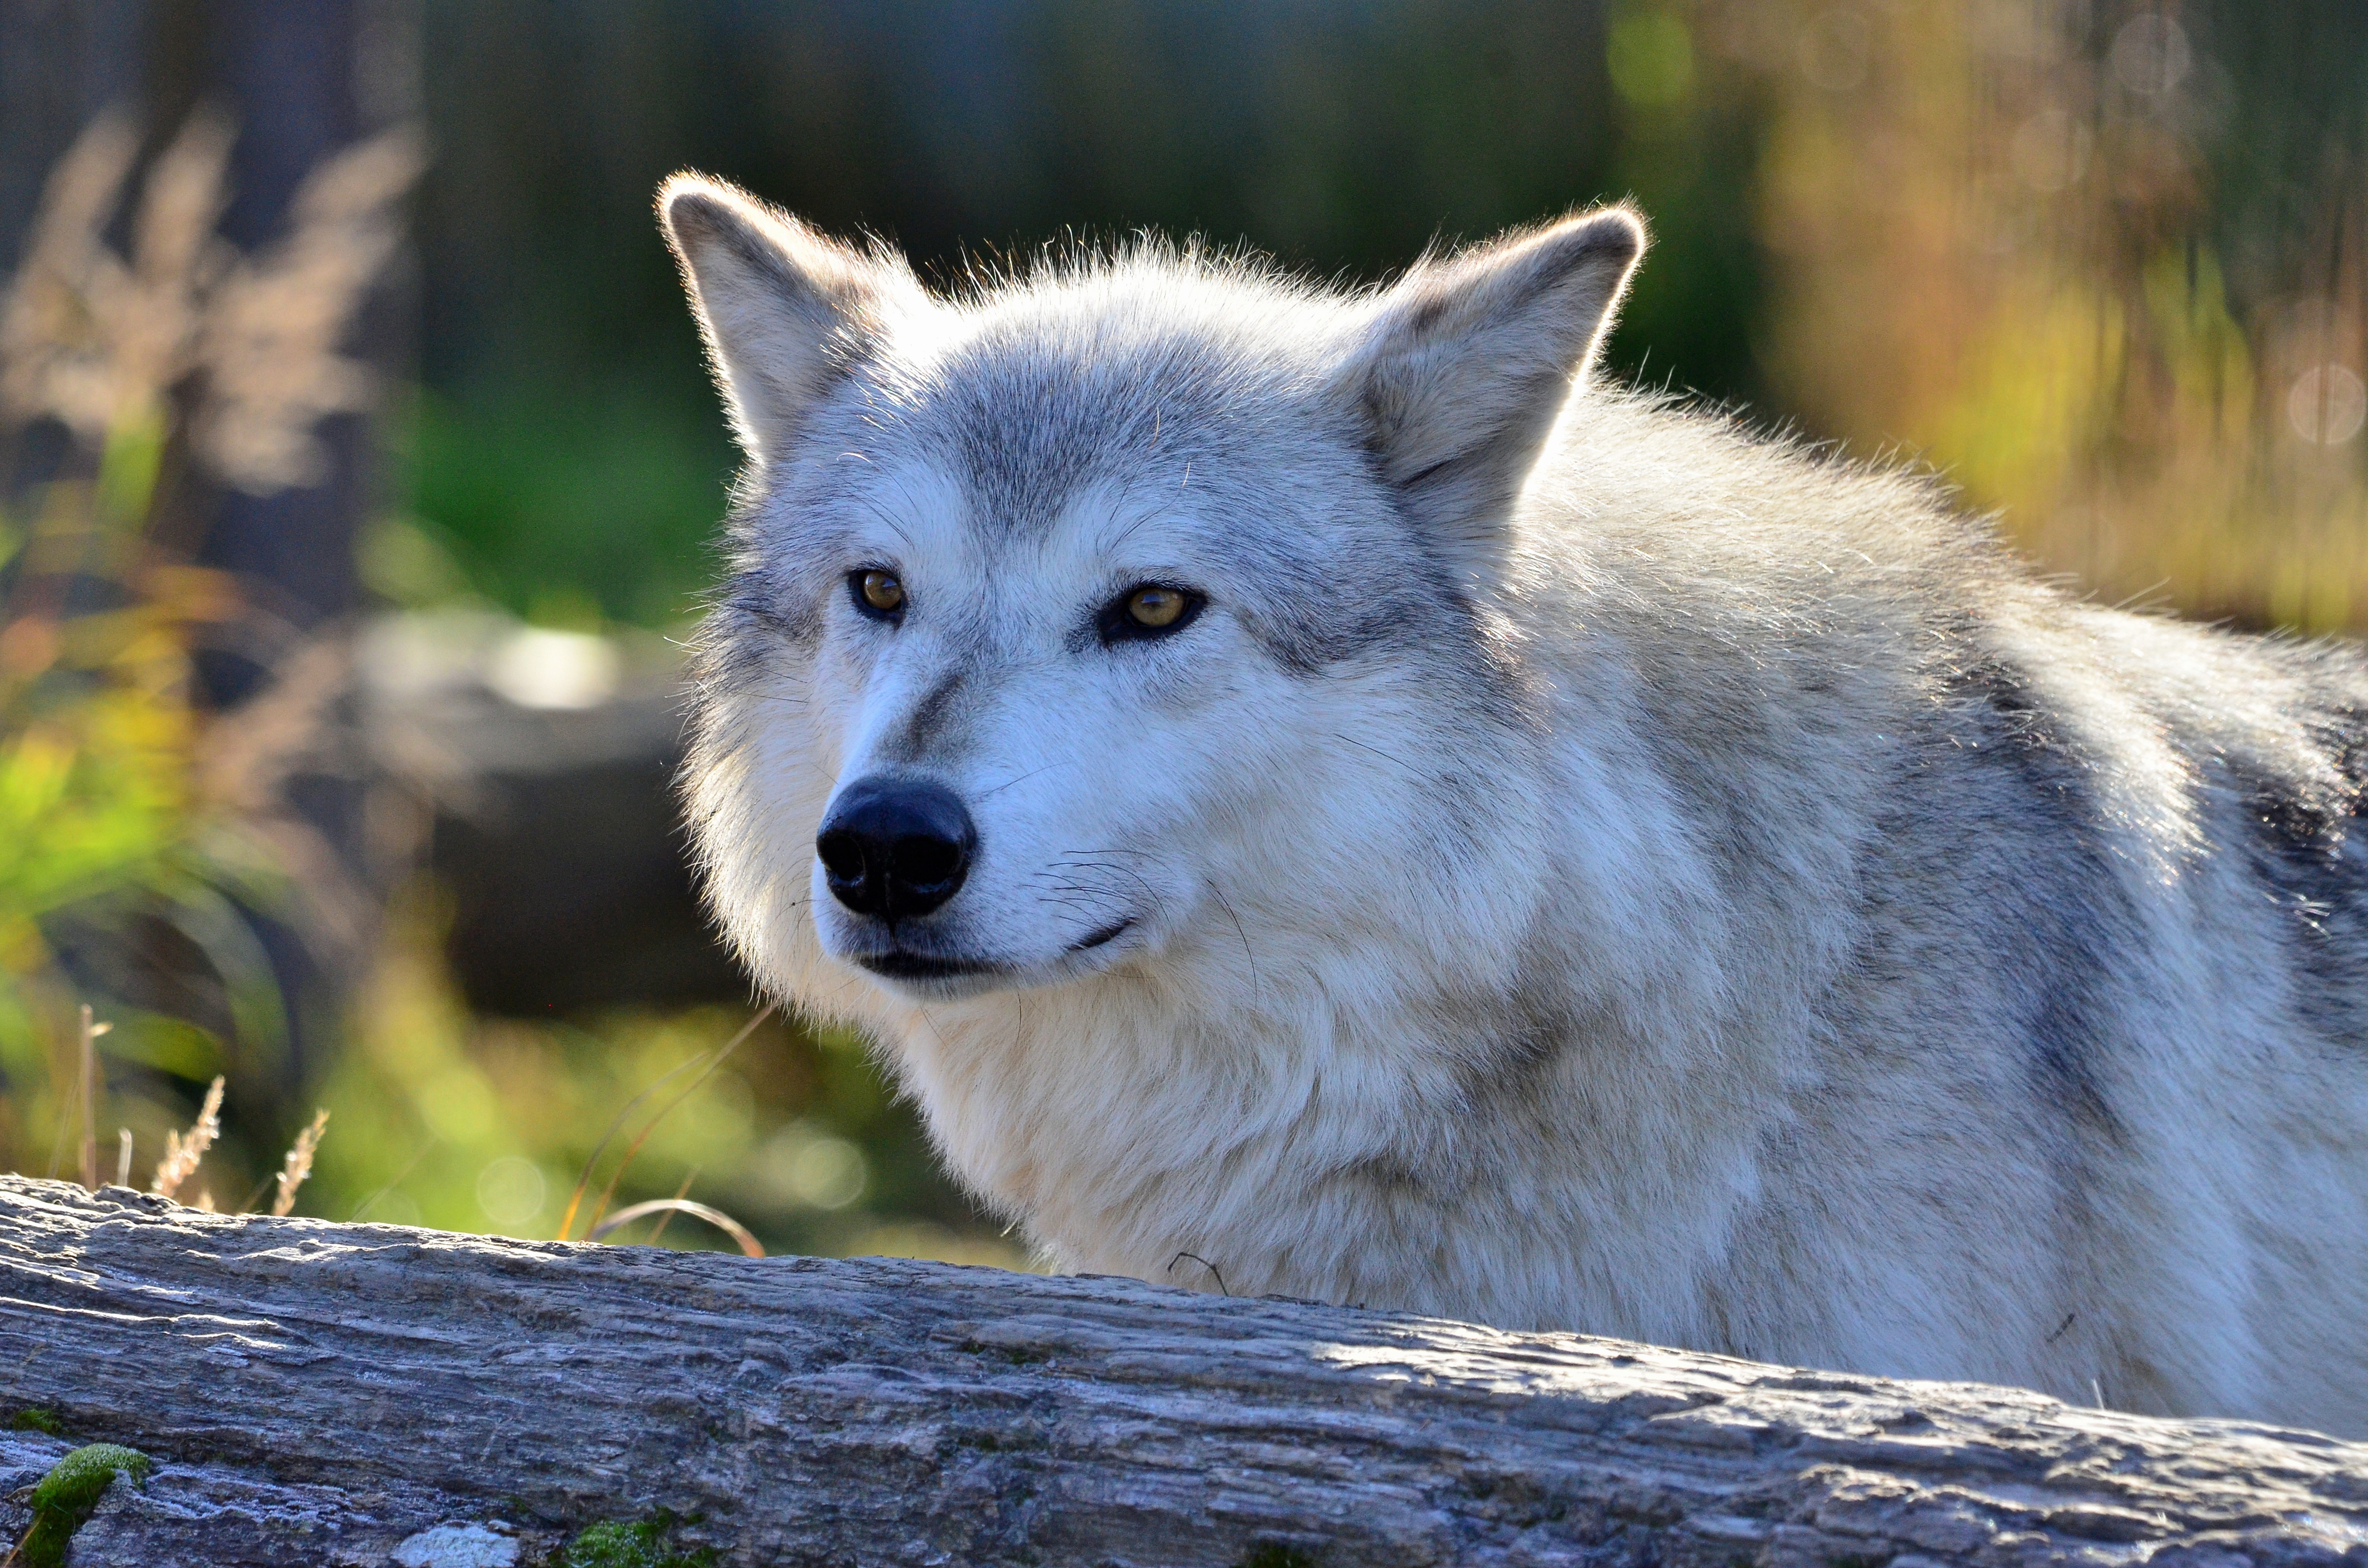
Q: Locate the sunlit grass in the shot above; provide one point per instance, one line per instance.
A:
(433, 1116)
(465, 1123)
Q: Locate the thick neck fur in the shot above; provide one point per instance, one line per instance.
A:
(1293, 1101)
(1768, 921)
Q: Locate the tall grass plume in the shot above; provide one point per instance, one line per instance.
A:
(183, 1150)
(297, 1165)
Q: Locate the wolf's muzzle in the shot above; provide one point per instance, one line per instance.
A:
(896, 849)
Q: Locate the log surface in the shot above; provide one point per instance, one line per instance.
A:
(325, 1394)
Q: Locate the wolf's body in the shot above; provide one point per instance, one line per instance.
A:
(1715, 895)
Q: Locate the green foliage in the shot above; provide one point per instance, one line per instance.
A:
(129, 818)
(94, 734)
(572, 504)
(35, 1419)
(473, 1123)
(65, 1496)
(98, 808)
(642, 1543)
(90, 798)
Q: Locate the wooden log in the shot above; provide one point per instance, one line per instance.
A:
(324, 1393)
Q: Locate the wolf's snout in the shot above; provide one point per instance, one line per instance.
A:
(894, 847)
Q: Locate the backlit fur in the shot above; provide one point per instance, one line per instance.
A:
(1648, 880)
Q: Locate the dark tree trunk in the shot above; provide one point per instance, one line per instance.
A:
(304, 80)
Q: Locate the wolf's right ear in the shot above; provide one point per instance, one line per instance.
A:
(1464, 365)
(785, 312)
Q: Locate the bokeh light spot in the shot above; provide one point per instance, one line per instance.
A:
(2329, 404)
(1651, 58)
(511, 1190)
(2151, 55)
(1834, 50)
(815, 1168)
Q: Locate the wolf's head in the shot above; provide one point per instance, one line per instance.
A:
(1133, 614)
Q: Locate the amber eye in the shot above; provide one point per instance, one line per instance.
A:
(879, 592)
(1147, 610)
(1156, 608)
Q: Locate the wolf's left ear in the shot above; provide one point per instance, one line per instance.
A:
(785, 312)
(1466, 363)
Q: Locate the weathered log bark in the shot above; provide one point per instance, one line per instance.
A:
(314, 1393)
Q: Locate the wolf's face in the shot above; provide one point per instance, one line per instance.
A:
(1080, 625)
(1041, 675)
(1108, 618)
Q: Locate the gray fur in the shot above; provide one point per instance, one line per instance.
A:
(1586, 866)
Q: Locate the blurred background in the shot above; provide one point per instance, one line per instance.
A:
(358, 467)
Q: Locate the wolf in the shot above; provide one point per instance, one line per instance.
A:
(1319, 791)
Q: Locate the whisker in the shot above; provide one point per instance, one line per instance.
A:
(1398, 761)
(1083, 904)
(1023, 778)
(1256, 990)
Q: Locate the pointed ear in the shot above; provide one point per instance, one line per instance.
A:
(1467, 362)
(785, 312)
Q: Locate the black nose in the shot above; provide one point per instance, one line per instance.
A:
(896, 848)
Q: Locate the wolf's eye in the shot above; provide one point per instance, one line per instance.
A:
(1149, 610)
(1157, 608)
(878, 594)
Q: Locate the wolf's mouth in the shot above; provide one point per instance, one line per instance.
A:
(902, 965)
(1107, 933)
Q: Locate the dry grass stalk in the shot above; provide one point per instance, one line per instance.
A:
(668, 1218)
(182, 1153)
(167, 337)
(53, 357)
(592, 1161)
(89, 339)
(98, 342)
(270, 336)
(299, 1162)
(123, 1156)
(245, 761)
(90, 1033)
(715, 1217)
(714, 1061)
(366, 1204)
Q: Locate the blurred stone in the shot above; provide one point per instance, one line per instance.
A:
(546, 760)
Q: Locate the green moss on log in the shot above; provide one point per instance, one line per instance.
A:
(639, 1543)
(64, 1499)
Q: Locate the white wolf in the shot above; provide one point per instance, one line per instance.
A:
(1314, 795)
